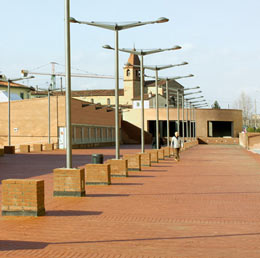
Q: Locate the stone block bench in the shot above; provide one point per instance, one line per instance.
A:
(48, 146)
(23, 197)
(9, 149)
(25, 148)
(145, 159)
(37, 147)
(97, 174)
(154, 155)
(134, 161)
(69, 182)
(118, 167)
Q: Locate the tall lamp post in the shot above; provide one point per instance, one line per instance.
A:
(142, 53)
(118, 27)
(182, 100)
(195, 106)
(167, 79)
(9, 81)
(178, 97)
(156, 69)
(188, 128)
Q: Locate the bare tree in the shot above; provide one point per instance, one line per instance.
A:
(245, 103)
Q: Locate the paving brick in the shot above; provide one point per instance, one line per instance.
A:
(206, 205)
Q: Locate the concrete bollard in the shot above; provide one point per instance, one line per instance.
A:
(37, 147)
(25, 148)
(9, 149)
(154, 155)
(97, 174)
(145, 159)
(23, 197)
(118, 167)
(69, 182)
(134, 161)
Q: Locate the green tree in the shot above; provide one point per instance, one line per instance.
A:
(215, 105)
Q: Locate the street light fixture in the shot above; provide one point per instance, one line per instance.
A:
(142, 53)
(197, 87)
(115, 26)
(9, 81)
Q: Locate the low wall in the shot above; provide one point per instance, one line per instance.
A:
(218, 140)
(249, 140)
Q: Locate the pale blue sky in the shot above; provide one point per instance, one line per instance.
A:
(220, 40)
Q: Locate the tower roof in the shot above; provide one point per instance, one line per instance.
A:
(133, 60)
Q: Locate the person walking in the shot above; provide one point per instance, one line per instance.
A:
(176, 144)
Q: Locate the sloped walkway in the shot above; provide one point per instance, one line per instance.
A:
(207, 205)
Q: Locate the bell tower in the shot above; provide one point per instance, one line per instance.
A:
(131, 79)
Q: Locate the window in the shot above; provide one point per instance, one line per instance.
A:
(127, 72)
(22, 95)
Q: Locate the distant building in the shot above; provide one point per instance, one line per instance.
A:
(22, 91)
(4, 96)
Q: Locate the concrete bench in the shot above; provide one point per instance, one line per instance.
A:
(97, 174)
(69, 182)
(118, 167)
(9, 149)
(134, 161)
(23, 197)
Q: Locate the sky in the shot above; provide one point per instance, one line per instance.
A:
(220, 40)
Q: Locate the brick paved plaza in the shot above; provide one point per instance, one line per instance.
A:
(207, 205)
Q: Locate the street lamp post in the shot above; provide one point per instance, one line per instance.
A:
(142, 53)
(175, 90)
(156, 69)
(117, 27)
(167, 102)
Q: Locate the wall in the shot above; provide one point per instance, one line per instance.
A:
(30, 119)
(205, 115)
(249, 140)
(18, 91)
(202, 116)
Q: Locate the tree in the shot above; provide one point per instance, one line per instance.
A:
(215, 105)
(244, 102)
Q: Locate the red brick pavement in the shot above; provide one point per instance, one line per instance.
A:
(207, 205)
